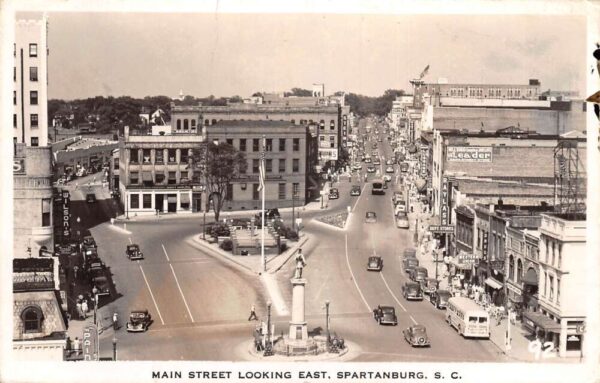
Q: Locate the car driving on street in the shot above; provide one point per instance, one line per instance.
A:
(389, 169)
(385, 315)
(355, 191)
(402, 220)
(370, 169)
(440, 298)
(133, 252)
(334, 193)
(375, 263)
(139, 321)
(370, 217)
(416, 336)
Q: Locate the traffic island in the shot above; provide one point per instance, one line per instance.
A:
(248, 351)
(336, 220)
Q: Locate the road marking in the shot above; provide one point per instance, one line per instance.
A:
(361, 193)
(165, 250)
(181, 292)
(413, 319)
(130, 241)
(390, 290)
(354, 279)
(151, 295)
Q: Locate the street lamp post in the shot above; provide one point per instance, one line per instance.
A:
(268, 348)
(327, 321)
(114, 342)
(293, 208)
(95, 292)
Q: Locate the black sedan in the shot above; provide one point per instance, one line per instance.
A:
(355, 191)
(440, 298)
(412, 291)
(416, 336)
(334, 193)
(133, 252)
(139, 320)
(375, 263)
(385, 315)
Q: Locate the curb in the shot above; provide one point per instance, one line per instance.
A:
(216, 253)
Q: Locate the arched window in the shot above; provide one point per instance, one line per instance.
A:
(32, 318)
(205, 122)
(519, 271)
(178, 124)
(293, 121)
(511, 268)
(193, 124)
(214, 121)
(186, 124)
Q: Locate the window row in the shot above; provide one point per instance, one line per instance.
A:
(269, 144)
(168, 178)
(282, 165)
(281, 191)
(146, 201)
(158, 156)
(187, 124)
(33, 120)
(33, 97)
(551, 284)
(552, 250)
(33, 50)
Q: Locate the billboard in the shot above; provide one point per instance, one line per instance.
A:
(328, 154)
(468, 154)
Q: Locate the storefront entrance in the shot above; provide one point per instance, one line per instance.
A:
(158, 202)
(197, 202)
(172, 203)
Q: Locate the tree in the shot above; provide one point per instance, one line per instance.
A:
(300, 92)
(218, 165)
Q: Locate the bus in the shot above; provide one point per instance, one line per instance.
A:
(468, 318)
(378, 185)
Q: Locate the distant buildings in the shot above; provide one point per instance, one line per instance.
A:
(75, 153)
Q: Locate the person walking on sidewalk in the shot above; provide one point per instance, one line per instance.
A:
(252, 314)
(76, 346)
(84, 308)
(115, 321)
(75, 270)
(79, 310)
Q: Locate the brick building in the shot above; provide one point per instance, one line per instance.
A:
(290, 159)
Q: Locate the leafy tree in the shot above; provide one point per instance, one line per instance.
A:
(301, 92)
(217, 165)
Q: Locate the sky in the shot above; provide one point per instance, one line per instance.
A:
(144, 54)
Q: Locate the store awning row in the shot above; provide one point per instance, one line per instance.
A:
(493, 283)
(542, 321)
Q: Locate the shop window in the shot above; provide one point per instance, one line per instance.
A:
(282, 144)
(33, 50)
(172, 178)
(282, 191)
(255, 145)
(282, 165)
(134, 201)
(295, 165)
(46, 212)
(242, 144)
(172, 156)
(159, 156)
(147, 201)
(255, 192)
(33, 73)
(296, 145)
(134, 178)
(133, 156)
(32, 318)
(269, 165)
(33, 97)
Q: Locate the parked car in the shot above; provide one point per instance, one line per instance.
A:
(101, 282)
(355, 191)
(385, 315)
(370, 217)
(418, 274)
(387, 178)
(400, 207)
(410, 252)
(375, 263)
(139, 321)
(397, 197)
(90, 198)
(334, 193)
(416, 336)
(357, 166)
(376, 161)
(370, 169)
(133, 252)
(402, 221)
(389, 169)
(389, 162)
(409, 263)
(412, 291)
(440, 298)
(367, 159)
(89, 241)
(429, 285)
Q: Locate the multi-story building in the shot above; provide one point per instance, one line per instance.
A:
(290, 159)
(155, 172)
(562, 279)
(30, 76)
(71, 154)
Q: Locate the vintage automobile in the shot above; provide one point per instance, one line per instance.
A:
(389, 169)
(370, 169)
(387, 177)
(334, 193)
(370, 217)
(375, 263)
(429, 285)
(397, 197)
(412, 291)
(367, 159)
(402, 221)
(139, 320)
(89, 241)
(411, 252)
(416, 336)
(385, 315)
(409, 263)
(389, 162)
(355, 191)
(90, 198)
(133, 252)
(440, 298)
(100, 281)
(377, 161)
(419, 274)
(356, 166)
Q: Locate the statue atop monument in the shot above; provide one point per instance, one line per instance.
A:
(300, 264)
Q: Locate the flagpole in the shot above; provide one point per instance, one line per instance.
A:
(262, 229)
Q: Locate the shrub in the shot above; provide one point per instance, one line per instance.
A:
(227, 245)
(283, 248)
(219, 230)
(279, 227)
(291, 234)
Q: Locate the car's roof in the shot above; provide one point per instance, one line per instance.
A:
(371, 213)
(139, 311)
(333, 189)
(443, 292)
(411, 284)
(133, 245)
(418, 327)
(387, 308)
(374, 257)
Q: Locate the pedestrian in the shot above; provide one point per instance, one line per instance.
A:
(84, 308)
(252, 314)
(75, 270)
(79, 310)
(76, 346)
(115, 321)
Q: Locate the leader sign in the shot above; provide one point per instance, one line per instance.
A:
(469, 154)
(444, 209)
(66, 208)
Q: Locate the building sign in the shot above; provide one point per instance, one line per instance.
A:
(466, 258)
(484, 244)
(19, 166)
(328, 154)
(66, 215)
(423, 160)
(497, 265)
(444, 208)
(33, 281)
(468, 154)
(448, 229)
(323, 144)
(90, 343)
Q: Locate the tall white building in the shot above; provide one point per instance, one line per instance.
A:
(30, 76)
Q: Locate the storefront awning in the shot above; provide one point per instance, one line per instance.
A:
(530, 277)
(421, 184)
(541, 321)
(146, 176)
(461, 266)
(184, 198)
(493, 283)
(172, 199)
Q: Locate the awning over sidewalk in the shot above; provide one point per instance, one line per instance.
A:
(542, 321)
(493, 283)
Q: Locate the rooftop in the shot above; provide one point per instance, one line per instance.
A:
(249, 123)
